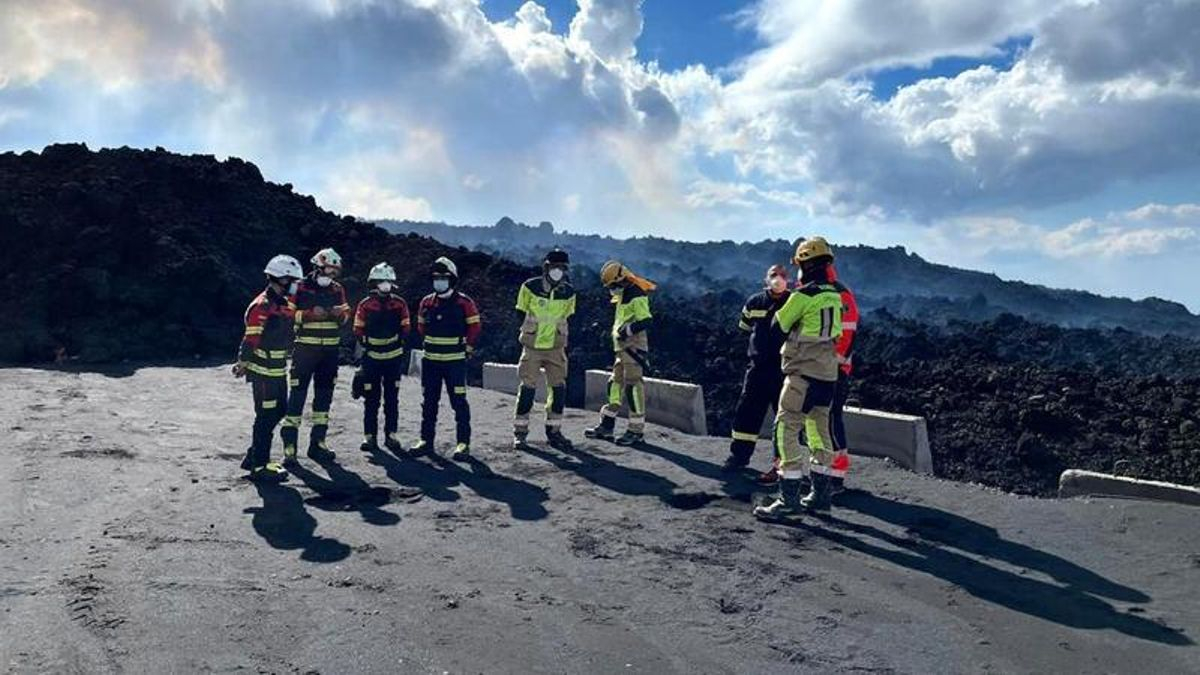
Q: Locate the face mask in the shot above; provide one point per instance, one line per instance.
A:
(778, 284)
(293, 287)
(616, 292)
(441, 285)
(324, 281)
(385, 287)
(800, 276)
(556, 274)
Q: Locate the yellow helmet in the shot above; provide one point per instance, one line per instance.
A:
(811, 249)
(612, 272)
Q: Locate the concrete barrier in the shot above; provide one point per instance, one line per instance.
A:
(1075, 483)
(678, 405)
(873, 433)
(503, 377)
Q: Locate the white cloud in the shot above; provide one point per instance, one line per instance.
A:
(358, 195)
(1036, 135)
(425, 108)
(473, 182)
(1150, 230)
(814, 40)
(609, 28)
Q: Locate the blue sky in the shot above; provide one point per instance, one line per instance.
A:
(676, 34)
(1051, 141)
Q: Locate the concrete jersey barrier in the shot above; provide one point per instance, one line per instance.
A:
(902, 438)
(678, 405)
(503, 377)
(1077, 483)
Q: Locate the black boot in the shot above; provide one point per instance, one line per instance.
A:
(735, 463)
(520, 440)
(820, 496)
(602, 431)
(785, 506)
(369, 444)
(319, 452)
(557, 441)
(631, 438)
(392, 442)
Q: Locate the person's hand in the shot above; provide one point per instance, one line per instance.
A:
(317, 313)
(239, 369)
(470, 351)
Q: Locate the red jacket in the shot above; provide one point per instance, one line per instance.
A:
(268, 335)
(845, 345)
(450, 326)
(381, 323)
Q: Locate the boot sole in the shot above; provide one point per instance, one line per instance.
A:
(783, 518)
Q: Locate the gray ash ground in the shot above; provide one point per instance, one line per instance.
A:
(129, 542)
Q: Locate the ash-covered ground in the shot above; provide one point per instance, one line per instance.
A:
(129, 542)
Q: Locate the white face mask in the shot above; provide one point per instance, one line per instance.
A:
(778, 284)
(441, 285)
(324, 281)
(556, 274)
(293, 287)
(385, 287)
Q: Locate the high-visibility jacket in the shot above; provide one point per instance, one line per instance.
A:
(327, 330)
(381, 323)
(449, 326)
(757, 316)
(268, 336)
(845, 344)
(812, 320)
(631, 319)
(546, 307)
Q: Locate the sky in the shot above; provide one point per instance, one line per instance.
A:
(1052, 141)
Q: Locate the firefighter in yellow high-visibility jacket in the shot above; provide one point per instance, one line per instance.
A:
(812, 321)
(631, 320)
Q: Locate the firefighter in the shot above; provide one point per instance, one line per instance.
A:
(381, 325)
(547, 302)
(845, 358)
(631, 301)
(321, 311)
(764, 377)
(812, 321)
(450, 325)
(262, 360)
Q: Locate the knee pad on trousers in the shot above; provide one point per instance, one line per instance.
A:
(525, 397)
(557, 401)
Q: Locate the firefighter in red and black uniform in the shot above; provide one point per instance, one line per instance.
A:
(449, 323)
(845, 356)
(321, 312)
(381, 325)
(764, 376)
(262, 359)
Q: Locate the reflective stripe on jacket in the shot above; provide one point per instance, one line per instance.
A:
(547, 308)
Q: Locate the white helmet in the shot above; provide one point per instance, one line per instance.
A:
(327, 257)
(382, 272)
(284, 266)
(444, 265)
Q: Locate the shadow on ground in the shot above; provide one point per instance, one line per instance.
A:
(284, 523)
(525, 500)
(935, 542)
(345, 490)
